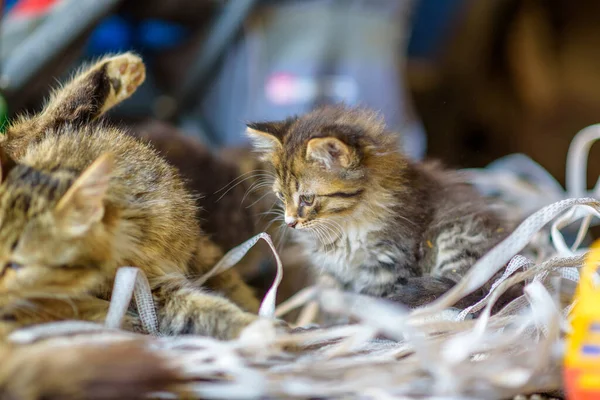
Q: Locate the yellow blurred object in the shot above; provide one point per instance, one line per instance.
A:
(582, 356)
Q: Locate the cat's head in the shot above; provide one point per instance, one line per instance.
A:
(51, 233)
(327, 163)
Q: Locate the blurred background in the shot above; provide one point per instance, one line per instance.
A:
(466, 81)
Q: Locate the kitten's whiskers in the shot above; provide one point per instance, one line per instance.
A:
(261, 183)
(255, 171)
(232, 185)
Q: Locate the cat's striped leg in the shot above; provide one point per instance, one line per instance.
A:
(230, 283)
(86, 97)
(95, 90)
(188, 311)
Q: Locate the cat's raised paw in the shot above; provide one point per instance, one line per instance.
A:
(126, 73)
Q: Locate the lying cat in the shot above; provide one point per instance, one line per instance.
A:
(379, 223)
(78, 199)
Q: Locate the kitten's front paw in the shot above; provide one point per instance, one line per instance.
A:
(126, 72)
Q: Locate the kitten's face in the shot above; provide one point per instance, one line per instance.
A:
(314, 198)
(322, 163)
(44, 235)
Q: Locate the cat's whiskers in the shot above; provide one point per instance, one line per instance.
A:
(276, 206)
(318, 236)
(241, 181)
(322, 235)
(333, 235)
(258, 200)
(280, 240)
(261, 183)
(244, 176)
(277, 218)
(277, 213)
(326, 233)
(270, 211)
(334, 231)
(335, 226)
(330, 246)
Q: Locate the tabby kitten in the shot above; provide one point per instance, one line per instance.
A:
(78, 199)
(378, 222)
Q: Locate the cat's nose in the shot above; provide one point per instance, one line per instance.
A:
(291, 221)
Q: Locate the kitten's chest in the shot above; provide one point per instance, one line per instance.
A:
(345, 257)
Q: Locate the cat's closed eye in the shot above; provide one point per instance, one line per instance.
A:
(14, 266)
(279, 196)
(307, 199)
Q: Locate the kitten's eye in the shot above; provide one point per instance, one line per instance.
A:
(307, 200)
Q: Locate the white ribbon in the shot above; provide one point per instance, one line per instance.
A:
(131, 281)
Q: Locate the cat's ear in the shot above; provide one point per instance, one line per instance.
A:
(267, 136)
(83, 204)
(330, 152)
(6, 164)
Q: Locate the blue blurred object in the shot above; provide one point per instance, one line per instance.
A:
(160, 35)
(8, 4)
(112, 35)
(431, 21)
(117, 33)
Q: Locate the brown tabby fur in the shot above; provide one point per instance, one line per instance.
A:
(378, 222)
(46, 370)
(79, 199)
(234, 203)
(224, 217)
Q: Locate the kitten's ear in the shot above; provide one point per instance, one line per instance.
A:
(330, 152)
(83, 204)
(267, 136)
(6, 164)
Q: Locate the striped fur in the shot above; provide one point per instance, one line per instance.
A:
(78, 199)
(376, 221)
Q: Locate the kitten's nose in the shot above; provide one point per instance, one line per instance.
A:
(291, 221)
